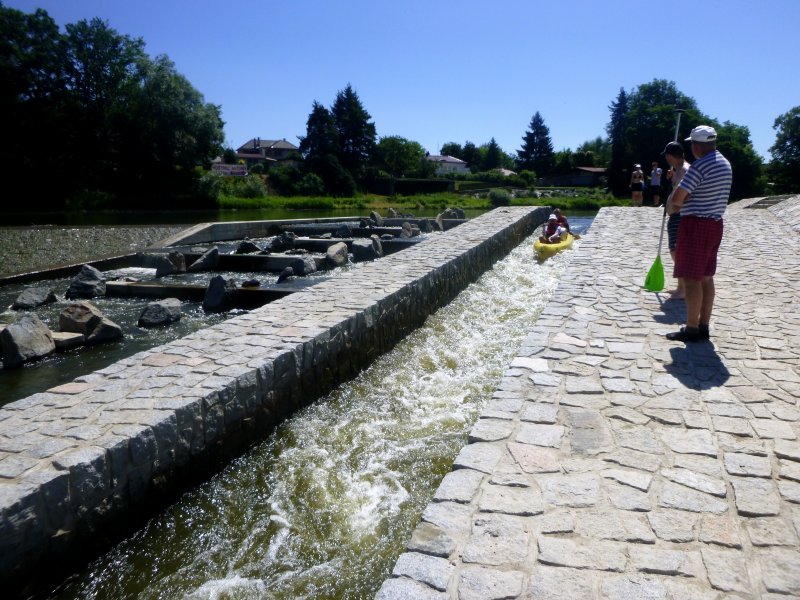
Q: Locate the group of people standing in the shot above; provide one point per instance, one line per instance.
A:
(695, 206)
(638, 185)
(698, 201)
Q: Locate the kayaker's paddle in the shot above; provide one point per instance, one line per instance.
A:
(654, 282)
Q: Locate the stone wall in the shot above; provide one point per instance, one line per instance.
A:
(82, 462)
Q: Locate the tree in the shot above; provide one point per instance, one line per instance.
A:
(452, 149)
(356, 133)
(124, 124)
(596, 151)
(322, 137)
(32, 95)
(470, 155)
(642, 123)
(492, 160)
(785, 164)
(536, 153)
(733, 141)
(166, 129)
(320, 149)
(617, 174)
(398, 156)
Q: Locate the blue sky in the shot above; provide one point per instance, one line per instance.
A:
(440, 71)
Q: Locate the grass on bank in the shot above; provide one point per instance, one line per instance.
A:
(566, 199)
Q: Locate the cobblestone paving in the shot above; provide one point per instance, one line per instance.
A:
(612, 463)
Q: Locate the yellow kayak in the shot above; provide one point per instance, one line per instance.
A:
(547, 250)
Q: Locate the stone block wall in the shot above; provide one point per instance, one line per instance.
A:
(80, 463)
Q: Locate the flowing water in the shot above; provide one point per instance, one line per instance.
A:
(323, 507)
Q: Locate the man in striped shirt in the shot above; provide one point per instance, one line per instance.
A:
(701, 199)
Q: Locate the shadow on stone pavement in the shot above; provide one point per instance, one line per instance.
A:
(698, 366)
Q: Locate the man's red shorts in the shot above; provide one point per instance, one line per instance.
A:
(696, 251)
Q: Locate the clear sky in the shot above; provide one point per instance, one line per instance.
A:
(440, 71)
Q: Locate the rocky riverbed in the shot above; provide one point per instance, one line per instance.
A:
(25, 249)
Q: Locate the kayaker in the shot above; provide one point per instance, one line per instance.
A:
(701, 198)
(562, 220)
(552, 231)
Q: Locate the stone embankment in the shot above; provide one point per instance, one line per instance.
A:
(82, 460)
(614, 464)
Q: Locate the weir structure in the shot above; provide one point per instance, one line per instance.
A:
(83, 462)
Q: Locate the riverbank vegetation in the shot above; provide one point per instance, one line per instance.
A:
(91, 122)
(575, 199)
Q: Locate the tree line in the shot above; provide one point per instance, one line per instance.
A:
(91, 121)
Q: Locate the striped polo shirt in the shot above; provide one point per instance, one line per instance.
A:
(708, 181)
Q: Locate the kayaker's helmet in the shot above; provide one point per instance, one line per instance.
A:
(552, 217)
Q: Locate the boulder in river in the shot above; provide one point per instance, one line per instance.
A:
(247, 246)
(219, 295)
(160, 312)
(33, 297)
(24, 340)
(164, 266)
(179, 260)
(281, 243)
(376, 218)
(207, 262)
(84, 317)
(304, 265)
(88, 283)
(367, 249)
(336, 255)
(285, 274)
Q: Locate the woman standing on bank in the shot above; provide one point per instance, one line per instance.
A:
(637, 185)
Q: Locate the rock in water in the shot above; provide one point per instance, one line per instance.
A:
(219, 295)
(86, 318)
(247, 246)
(336, 255)
(179, 260)
(161, 312)
(25, 340)
(367, 249)
(87, 284)
(285, 274)
(207, 262)
(33, 297)
(164, 266)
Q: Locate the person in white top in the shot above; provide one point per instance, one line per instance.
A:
(655, 184)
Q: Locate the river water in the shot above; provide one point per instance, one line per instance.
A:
(323, 507)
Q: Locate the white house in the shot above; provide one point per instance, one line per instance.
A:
(448, 164)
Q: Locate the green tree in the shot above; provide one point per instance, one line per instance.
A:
(123, 124)
(320, 149)
(785, 164)
(733, 141)
(536, 153)
(597, 152)
(471, 156)
(32, 96)
(167, 129)
(492, 159)
(452, 149)
(356, 133)
(620, 156)
(398, 156)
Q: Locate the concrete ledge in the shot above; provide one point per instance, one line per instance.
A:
(81, 461)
